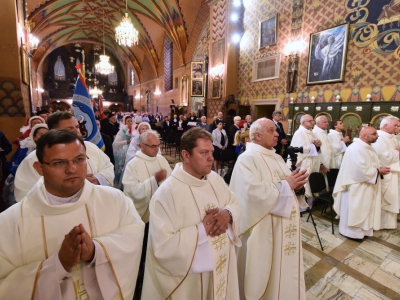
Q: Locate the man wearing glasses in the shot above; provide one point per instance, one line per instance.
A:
(142, 177)
(308, 160)
(69, 238)
(100, 169)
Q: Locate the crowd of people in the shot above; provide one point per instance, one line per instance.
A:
(119, 223)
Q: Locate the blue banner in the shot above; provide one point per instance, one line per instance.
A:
(83, 112)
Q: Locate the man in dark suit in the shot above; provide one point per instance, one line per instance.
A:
(282, 141)
(219, 119)
(108, 149)
(110, 126)
(174, 123)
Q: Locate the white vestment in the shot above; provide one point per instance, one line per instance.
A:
(139, 181)
(98, 163)
(33, 231)
(173, 270)
(338, 147)
(308, 160)
(270, 261)
(326, 153)
(388, 156)
(357, 191)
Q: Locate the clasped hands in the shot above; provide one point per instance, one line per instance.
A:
(216, 221)
(77, 246)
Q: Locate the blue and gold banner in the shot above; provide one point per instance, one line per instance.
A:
(83, 111)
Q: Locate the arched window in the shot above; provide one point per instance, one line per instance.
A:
(113, 78)
(59, 70)
(168, 53)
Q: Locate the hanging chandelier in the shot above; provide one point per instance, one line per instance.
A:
(104, 66)
(95, 92)
(125, 33)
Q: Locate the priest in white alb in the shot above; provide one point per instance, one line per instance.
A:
(326, 150)
(388, 154)
(100, 169)
(270, 261)
(145, 172)
(338, 142)
(357, 190)
(68, 238)
(194, 221)
(307, 160)
(142, 177)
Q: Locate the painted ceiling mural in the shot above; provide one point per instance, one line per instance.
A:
(376, 25)
(58, 22)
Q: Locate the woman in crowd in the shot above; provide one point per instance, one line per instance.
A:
(241, 139)
(120, 147)
(135, 145)
(182, 124)
(220, 142)
(27, 146)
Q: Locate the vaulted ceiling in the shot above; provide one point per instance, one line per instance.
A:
(59, 22)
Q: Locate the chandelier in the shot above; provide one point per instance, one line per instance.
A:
(104, 66)
(125, 33)
(95, 92)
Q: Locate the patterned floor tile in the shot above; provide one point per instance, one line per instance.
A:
(367, 293)
(344, 282)
(325, 290)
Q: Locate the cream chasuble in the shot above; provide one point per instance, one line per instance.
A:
(388, 156)
(270, 261)
(139, 183)
(326, 154)
(175, 210)
(305, 138)
(34, 231)
(98, 163)
(338, 147)
(357, 177)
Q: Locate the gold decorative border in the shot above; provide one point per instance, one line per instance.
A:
(377, 116)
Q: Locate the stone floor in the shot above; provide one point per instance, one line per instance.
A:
(347, 269)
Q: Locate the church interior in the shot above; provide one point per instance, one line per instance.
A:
(339, 58)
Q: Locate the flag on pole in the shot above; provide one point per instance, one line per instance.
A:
(83, 112)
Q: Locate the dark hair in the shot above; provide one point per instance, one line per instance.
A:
(53, 137)
(334, 123)
(190, 137)
(54, 118)
(276, 112)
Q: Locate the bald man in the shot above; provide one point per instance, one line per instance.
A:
(357, 189)
(308, 160)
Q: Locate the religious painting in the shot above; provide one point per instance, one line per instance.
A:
(327, 55)
(24, 66)
(197, 88)
(352, 125)
(296, 123)
(376, 121)
(216, 88)
(197, 70)
(218, 52)
(266, 68)
(268, 29)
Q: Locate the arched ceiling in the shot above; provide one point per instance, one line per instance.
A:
(58, 22)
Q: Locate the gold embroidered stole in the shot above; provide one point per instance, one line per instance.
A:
(219, 246)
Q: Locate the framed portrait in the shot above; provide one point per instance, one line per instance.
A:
(197, 88)
(216, 88)
(352, 125)
(218, 52)
(268, 29)
(327, 55)
(266, 68)
(197, 70)
(24, 66)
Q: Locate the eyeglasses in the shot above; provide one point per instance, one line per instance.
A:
(64, 163)
(152, 146)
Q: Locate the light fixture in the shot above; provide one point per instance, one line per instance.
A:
(234, 17)
(104, 66)
(95, 92)
(125, 33)
(236, 38)
(32, 41)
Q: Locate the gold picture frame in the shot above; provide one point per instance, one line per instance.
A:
(24, 66)
(268, 32)
(197, 88)
(216, 88)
